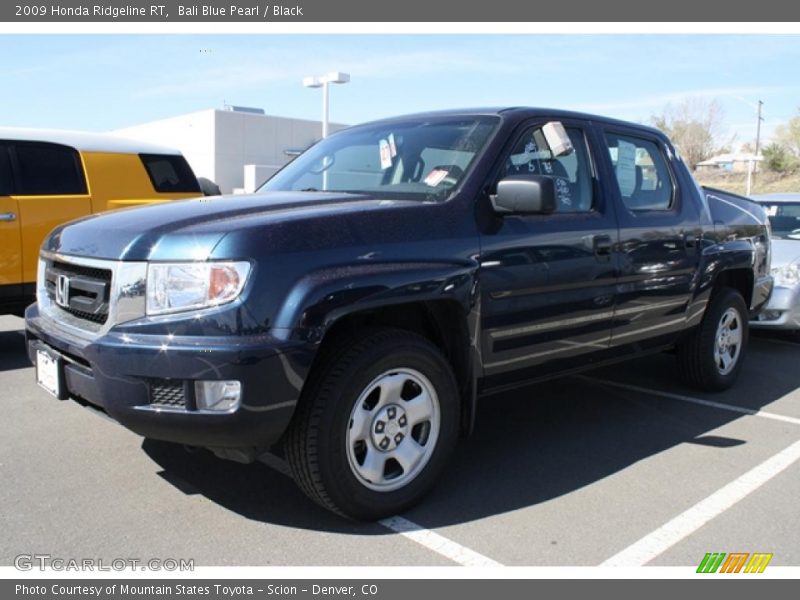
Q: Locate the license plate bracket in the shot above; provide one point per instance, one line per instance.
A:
(50, 373)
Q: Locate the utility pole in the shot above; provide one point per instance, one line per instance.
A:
(751, 174)
(758, 127)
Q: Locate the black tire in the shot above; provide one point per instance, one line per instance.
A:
(318, 439)
(696, 354)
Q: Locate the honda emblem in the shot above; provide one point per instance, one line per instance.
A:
(62, 291)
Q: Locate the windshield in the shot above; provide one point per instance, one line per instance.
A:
(784, 218)
(418, 160)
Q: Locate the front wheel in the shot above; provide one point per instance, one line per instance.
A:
(711, 356)
(376, 425)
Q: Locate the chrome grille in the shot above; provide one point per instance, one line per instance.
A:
(75, 269)
(87, 289)
(121, 283)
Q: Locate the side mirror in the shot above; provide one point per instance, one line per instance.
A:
(525, 194)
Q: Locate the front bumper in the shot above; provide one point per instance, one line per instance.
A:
(782, 311)
(118, 373)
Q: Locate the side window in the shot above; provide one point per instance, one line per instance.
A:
(48, 170)
(572, 172)
(641, 172)
(170, 173)
(6, 187)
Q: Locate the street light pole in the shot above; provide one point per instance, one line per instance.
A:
(324, 82)
(325, 109)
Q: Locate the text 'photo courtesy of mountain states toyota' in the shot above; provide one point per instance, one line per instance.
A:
(355, 308)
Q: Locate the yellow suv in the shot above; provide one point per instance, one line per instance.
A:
(48, 177)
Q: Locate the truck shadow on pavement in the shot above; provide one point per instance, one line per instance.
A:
(254, 491)
(530, 446)
(12, 351)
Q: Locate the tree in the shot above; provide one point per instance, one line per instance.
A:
(788, 135)
(694, 126)
(779, 158)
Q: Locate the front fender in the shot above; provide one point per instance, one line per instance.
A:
(322, 297)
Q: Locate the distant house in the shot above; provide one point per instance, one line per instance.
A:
(738, 162)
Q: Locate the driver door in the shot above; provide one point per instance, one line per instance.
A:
(548, 280)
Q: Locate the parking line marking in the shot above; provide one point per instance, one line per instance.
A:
(402, 526)
(437, 543)
(655, 543)
(710, 403)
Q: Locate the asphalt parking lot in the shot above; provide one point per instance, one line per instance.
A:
(619, 466)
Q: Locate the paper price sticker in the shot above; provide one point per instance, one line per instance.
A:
(435, 177)
(386, 154)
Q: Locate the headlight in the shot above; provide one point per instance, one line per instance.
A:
(173, 287)
(787, 275)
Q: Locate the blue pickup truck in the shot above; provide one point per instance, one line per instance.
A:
(355, 308)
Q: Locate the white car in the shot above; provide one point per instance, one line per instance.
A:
(783, 309)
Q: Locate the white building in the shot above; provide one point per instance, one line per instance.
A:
(237, 148)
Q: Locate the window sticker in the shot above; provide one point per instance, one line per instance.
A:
(392, 145)
(563, 193)
(435, 177)
(530, 153)
(626, 168)
(520, 159)
(772, 210)
(386, 154)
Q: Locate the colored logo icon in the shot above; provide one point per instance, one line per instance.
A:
(734, 562)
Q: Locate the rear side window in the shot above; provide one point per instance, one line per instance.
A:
(47, 170)
(170, 173)
(6, 182)
(641, 172)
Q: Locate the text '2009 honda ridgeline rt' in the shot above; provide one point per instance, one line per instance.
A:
(355, 308)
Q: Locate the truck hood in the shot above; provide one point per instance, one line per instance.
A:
(190, 229)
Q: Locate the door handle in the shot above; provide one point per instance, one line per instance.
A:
(690, 241)
(602, 247)
(8, 217)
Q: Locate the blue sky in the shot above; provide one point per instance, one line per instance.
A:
(102, 82)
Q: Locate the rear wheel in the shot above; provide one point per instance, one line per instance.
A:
(376, 425)
(711, 356)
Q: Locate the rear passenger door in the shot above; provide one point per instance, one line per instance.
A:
(10, 240)
(547, 281)
(659, 239)
(49, 189)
